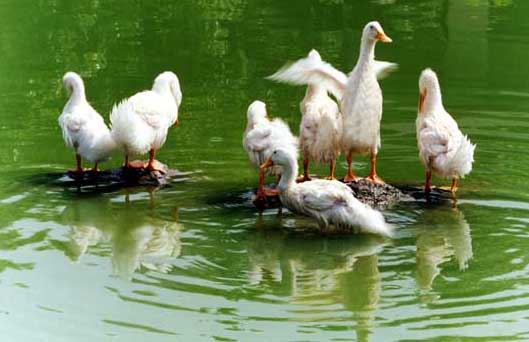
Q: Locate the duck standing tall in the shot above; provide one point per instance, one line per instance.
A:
(362, 104)
(261, 137)
(443, 149)
(140, 123)
(328, 201)
(320, 129)
(359, 94)
(83, 129)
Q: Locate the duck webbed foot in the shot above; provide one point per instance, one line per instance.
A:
(304, 178)
(155, 165)
(135, 164)
(375, 180)
(350, 178)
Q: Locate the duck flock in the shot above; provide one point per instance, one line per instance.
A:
(340, 113)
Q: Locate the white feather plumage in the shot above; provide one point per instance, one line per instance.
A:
(140, 123)
(321, 128)
(311, 70)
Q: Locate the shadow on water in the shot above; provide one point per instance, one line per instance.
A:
(107, 181)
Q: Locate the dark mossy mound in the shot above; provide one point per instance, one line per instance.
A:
(121, 177)
(378, 196)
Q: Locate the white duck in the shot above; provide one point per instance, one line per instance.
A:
(320, 129)
(83, 129)
(261, 137)
(443, 149)
(359, 95)
(328, 201)
(140, 123)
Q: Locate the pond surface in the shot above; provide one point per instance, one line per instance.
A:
(194, 261)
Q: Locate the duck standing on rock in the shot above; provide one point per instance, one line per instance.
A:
(83, 129)
(320, 129)
(330, 202)
(261, 137)
(443, 149)
(140, 123)
(359, 94)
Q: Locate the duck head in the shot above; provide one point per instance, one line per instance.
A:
(429, 91)
(169, 80)
(314, 55)
(289, 167)
(74, 85)
(373, 32)
(279, 157)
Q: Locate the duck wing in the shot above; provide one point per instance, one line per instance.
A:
(384, 69)
(149, 106)
(312, 71)
(321, 195)
(439, 135)
(257, 139)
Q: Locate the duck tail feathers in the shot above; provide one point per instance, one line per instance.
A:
(464, 157)
(372, 221)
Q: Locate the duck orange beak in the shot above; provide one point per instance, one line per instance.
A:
(176, 123)
(422, 96)
(267, 164)
(381, 36)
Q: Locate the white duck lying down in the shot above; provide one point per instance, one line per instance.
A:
(359, 94)
(330, 202)
(320, 129)
(83, 129)
(140, 123)
(443, 149)
(261, 137)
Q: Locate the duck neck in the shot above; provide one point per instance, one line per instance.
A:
(433, 100)
(256, 121)
(367, 51)
(162, 88)
(78, 94)
(288, 175)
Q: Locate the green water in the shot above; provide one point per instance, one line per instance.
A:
(193, 261)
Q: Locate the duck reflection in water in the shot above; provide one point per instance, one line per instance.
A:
(316, 271)
(443, 233)
(150, 243)
(137, 238)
